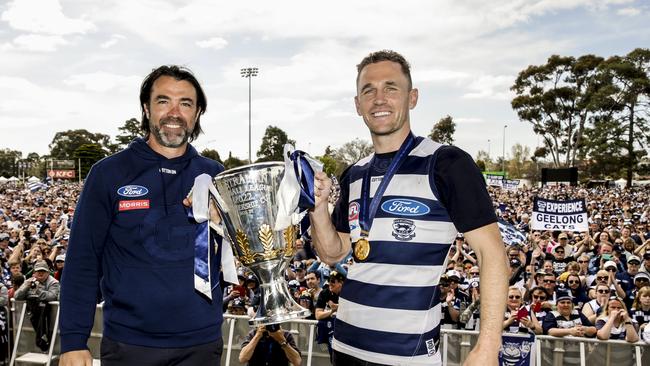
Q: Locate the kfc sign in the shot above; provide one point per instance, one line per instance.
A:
(61, 174)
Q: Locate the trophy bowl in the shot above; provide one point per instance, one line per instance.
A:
(249, 193)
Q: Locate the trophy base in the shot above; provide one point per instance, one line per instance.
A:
(277, 305)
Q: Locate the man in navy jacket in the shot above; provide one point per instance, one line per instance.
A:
(132, 240)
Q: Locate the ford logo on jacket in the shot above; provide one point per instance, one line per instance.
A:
(405, 207)
(132, 191)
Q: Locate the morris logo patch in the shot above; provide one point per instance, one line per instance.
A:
(133, 205)
(403, 229)
(132, 191)
(405, 207)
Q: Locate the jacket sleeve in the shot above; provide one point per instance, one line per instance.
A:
(80, 282)
(51, 292)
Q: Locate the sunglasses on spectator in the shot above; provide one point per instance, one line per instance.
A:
(559, 251)
(514, 297)
(602, 278)
(611, 269)
(537, 297)
(603, 291)
(583, 261)
(474, 273)
(549, 281)
(572, 282)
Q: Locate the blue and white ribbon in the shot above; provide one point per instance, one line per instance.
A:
(200, 212)
(296, 192)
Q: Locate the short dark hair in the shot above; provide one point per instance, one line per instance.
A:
(315, 272)
(178, 73)
(386, 55)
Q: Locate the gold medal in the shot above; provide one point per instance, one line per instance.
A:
(361, 249)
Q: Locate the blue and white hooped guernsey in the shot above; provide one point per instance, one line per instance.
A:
(389, 308)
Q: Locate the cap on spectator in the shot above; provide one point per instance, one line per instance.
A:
(65, 237)
(453, 273)
(294, 284)
(540, 272)
(237, 302)
(514, 262)
(563, 295)
(251, 278)
(337, 276)
(60, 258)
(634, 258)
(4, 236)
(41, 266)
(610, 264)
(300, 265)
(562, 236)
(642, 275)
(646, 255)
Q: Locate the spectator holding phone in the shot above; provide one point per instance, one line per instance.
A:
(517, 317)
(615, 322)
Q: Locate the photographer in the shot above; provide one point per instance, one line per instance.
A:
(269, 345)
(41, 286)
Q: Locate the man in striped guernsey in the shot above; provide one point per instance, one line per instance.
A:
(402, 208)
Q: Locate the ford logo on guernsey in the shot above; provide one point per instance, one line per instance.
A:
(132, 191)
(405, 207)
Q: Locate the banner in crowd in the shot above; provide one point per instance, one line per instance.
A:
(517, 350)
(570, 215)
(494, 180)
(510, 235)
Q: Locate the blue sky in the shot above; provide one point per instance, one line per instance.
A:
(69, 64)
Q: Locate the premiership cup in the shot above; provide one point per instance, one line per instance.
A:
(249, 194)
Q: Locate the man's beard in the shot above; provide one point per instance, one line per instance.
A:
(169, 139)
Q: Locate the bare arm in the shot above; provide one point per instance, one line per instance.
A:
(488, 246)
(332, 246)
(247, 351)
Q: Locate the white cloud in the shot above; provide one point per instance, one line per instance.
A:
(102, 82)
(35, 43)
(629, 12)
(112, 41)
(216, 43)
(43, 16)
(490, 87)
(469, 120)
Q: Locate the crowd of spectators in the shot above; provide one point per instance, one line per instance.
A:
(562, 283)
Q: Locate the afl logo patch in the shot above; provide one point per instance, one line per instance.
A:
(353, 211)
(132, 191)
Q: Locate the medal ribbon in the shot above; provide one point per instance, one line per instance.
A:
(369, 207)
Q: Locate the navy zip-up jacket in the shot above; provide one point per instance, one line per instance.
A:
(132, 239)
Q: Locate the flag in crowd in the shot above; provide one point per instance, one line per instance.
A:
(35, 186)
(510, 235)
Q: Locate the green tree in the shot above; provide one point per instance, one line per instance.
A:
(443, 131)
(128, 131)
(87, 155)
(485, 160)
(8, 159)
(272, 145)
(352, 151)
(65, 143)
(624, 94)
(212, 154)
(520, 163)
(557, 99)
(233, 162)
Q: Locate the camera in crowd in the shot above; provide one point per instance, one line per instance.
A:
(273, 328)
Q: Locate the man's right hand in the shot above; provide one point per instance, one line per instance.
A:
(322, 188)
(76, 358)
